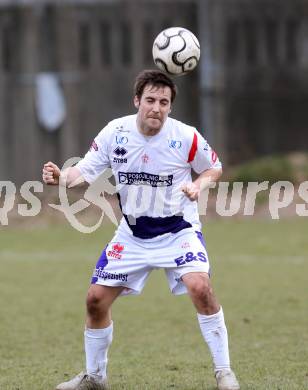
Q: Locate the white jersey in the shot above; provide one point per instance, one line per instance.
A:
(149, 172)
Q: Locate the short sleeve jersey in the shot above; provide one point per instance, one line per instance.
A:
(149, 172)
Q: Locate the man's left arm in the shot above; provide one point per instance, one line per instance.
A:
(193, 190)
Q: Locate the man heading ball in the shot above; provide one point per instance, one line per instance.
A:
(151, 156)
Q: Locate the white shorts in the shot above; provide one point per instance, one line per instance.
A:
(127, 261)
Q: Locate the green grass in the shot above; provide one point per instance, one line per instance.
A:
(268, 168)
(260, 274)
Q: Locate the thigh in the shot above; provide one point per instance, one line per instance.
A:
(101, 293)
(188, 255)
(122, 264)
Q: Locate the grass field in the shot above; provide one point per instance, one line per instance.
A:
(260, 274)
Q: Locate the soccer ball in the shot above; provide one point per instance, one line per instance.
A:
(176, 51)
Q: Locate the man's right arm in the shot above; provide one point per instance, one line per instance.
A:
(70, 177)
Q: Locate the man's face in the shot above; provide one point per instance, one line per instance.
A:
(153, 108)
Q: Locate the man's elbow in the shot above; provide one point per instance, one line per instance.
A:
(72, 177)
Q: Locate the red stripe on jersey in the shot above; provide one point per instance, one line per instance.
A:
(193, 149)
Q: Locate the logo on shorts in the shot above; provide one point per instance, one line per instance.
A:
(116, 251)
(118, 247)
(100, 273)
(185, 245)
(190, 256)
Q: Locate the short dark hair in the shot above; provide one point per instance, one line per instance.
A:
(155, 78)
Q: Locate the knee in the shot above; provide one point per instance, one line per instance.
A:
(96, 303)
(201, 289)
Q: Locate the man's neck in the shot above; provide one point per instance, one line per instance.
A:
(148, 132)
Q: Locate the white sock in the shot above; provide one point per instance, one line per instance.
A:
(215, 334)
(97, 342)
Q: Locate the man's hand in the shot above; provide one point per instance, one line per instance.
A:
(51, 173)
(192, 191)
(206, 179)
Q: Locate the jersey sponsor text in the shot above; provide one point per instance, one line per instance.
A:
(138, 178)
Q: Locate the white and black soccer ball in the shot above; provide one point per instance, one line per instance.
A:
(176, 51)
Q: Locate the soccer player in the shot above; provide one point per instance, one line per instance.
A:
(151, 156)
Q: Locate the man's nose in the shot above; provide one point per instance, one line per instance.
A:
(155, 107)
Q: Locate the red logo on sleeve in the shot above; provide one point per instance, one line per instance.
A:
(214, 156)
(94, 146)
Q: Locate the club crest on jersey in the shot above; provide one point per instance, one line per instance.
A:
(145, 158)
(120, 139)
(116, 250)
(174, 144)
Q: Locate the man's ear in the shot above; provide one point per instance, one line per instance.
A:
(136, 102)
